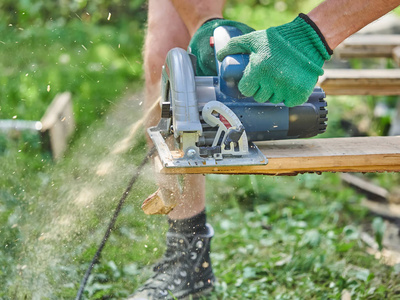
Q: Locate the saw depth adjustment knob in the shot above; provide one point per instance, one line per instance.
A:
(166, 110)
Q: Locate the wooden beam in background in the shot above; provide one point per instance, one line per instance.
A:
(360, 82)
(368, 45)
(59, 124)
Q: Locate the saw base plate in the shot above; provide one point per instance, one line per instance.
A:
(176, 159)
(254, 158)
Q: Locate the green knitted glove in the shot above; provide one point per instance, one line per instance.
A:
(285, 61)
(200, 45)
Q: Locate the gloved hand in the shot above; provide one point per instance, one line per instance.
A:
(200, 45)
(285, 61)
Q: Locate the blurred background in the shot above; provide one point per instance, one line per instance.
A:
(272, 242)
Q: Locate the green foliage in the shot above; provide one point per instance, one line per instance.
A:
(22, 162)
(93, 62)
(271, 5)
(296, 236)
(21, 13)
(260, 18)
(261, 14)
(379, 227)
(98, 64)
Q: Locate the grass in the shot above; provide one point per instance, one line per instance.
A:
(293, 238)
(97, 64)
(58, 231)
(276, 237)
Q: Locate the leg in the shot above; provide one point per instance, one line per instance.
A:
(194, 13)
(186, 268)
(166, 30)
(171, 23)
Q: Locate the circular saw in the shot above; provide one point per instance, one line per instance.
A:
(206, 121)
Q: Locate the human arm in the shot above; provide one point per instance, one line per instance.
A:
(194, 12)
(285, 61)
(201, 18)
(338, 19)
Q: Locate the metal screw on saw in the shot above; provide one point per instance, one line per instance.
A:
(191, 153)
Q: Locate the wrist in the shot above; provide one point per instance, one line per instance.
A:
(303, 37)
(333, 33)
(317, 30)
(338, 19)
(203, 21)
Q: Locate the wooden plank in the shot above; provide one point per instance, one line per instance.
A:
(291, 157)
(155, 204)
(368, 45)
(58, 123)
(360, 82)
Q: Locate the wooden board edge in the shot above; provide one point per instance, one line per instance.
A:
(291, 157)
(298, 165)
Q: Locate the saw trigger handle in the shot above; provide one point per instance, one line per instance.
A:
(232, 67)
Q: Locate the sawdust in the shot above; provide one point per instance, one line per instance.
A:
(105, 167)
(96, 170)
(85, 197)
(128, 141)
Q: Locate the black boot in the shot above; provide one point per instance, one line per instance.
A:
(184, 271)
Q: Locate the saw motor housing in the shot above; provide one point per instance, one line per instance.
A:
(212, 123)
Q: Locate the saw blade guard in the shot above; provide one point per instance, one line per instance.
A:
(179, 89)
(178, 93)
(186, 119)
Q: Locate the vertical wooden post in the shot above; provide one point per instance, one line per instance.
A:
(58, 123)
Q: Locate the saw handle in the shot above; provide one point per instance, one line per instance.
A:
(231, 69)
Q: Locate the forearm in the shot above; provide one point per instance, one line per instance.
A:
(195, 12)
(338, 19)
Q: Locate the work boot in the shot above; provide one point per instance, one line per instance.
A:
(184, 271)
